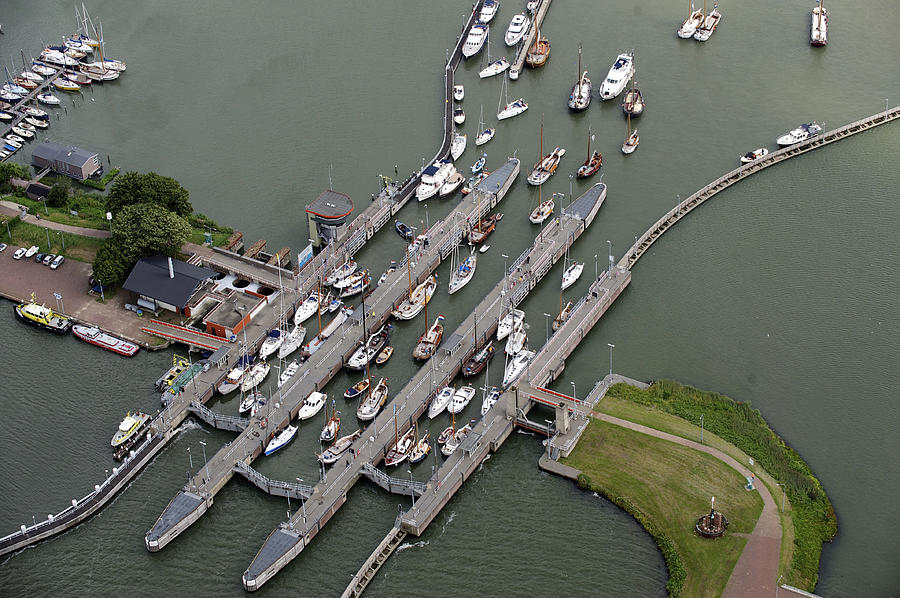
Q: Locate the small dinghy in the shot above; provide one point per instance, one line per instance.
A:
(459, 93)
(357, 389)
(384, 355)
(754, 155)
(479, 164)
(459, 116)
(403, 230)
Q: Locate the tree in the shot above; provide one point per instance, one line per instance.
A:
(151, 188)
(112, 264)
(9, 170)
(58, 196)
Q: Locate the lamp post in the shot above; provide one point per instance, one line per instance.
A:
(782, 494)
(411, 494)
(206, 463)
(48, 237)
(596, 267)
(611, 347)
(548, 327)
(302, 502)
(190, 459)
(549, 421)
(62, 239)
(6, 222)
(609, 252)
(701, 428)
(571, 179)
(777, 584)
(505, 258)
(426, 218)
(46, 211)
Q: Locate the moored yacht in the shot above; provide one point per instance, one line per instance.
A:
(312, 405)
(516, 367)
(490, 399)
(710, 22)
(366, 353)
(433, 178)
(340, 446)
(373, 403)
(517, 29)
(428, 342)
(273, 342)
(508, 322)
(488, 10)
(461, 399)
(306, 309)
(281, 439)
(754, 155)
(818, 33)
(292, 341)
(458, 146)
(339, 273)
(462, 274)
(42, 317)
(129, 428)
(693, 21)
(545, 168)
(617, 77)
(288, 373)
(543, 211)
(440, 401)
(801, 133)
(517, 339)
(415, 303)
(477, 362)
(572, 274)
(254, 376)
(475, 40)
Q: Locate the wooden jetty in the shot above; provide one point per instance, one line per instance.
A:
(516, 68)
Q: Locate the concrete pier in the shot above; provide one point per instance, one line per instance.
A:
(516, 68)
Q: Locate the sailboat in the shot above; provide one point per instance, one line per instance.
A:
(483, 227)
(332, 425)
(690, 25)
(292, 341)
(489, 400)
(818, 33)
(632, 139)
(485, 134)
(571, 274)
(516, 340)
(509, 109)
(288, 373)
(447, 432)
(421, 448)
(633, 102)
(546, 165)
(369, 408)
(563, 316)
(543, 210)
(428, 342)
(281, 439)
(710, 22)
(273, 342)
(399, 450)
(580, 98)
(493, 68)
(508, 322)
(440, 401)
(461, 273)
(366, 352)
(539, 51)
(592, 163)
(340, 446)
(453, 443)
(341, 272)
(416, 300)
(458, 146)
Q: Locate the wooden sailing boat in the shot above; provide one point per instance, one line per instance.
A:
(448, 432)
(483, 228)
(710, 22)
(399, 451)
(818, 34)
(693, 21)
(421, 448)
(631, 139)
(564, 314)
(546, 165)
(332, 425)
(592, 163)
(633, 102)
(580, 98)
(428, 342)
(539, 51)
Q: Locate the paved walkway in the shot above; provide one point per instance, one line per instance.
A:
(756, 572)
(11, 208)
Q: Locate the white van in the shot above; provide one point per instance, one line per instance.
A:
(57, 262)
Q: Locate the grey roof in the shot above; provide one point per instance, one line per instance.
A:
(584, 205)
(52, 151)
(494, 181)
(150, 277)
(39, 189)
(331, 204)
(276, 546)
(180, 507)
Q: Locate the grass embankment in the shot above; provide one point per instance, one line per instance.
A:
(666, 487)
(728, 422)
(77, 247)
(102, 183)
(91, 213)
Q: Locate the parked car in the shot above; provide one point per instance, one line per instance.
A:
(31, 251)
(57, 262)
(48, 259)
(20, 253)
(2, 247)
(39, 257)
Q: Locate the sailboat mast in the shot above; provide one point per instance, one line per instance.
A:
(409, 272)
(319, 306)
(580, 73)
(589, 145)
(821, 8)
(704, 13)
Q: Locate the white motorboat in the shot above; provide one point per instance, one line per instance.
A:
(36, 122)
(818, 32)
(475, 40)
(489, 400)
(288, 373)
(36, 113)
(509, 109)
(462, 274)
(572, 274)
(488, 10)
(508, 322)
(478, 166)
(344, 283)
(484, 249)
(459, 115)
(340, 446)
(272, 343)
(453, 183)
(367, 352)
(460, 399)
(517, 29)
(31, 76)
(690, 25)
(516, 341)
(709, 25)
(281, 439)
(43, 69)
(516, 367)
(292, 341)
(459, 93)
(129, 428)
(440, 401)
(307, 308)
(458, 146)
(312, 405)
(357, 284)
(15, 143)
(22, 131)
(617, 77)
(544, 169)
(373, 403)
(453, 443)
(340, 273)
(255, 376)
(413, 305)
(48, 99)
(754, 155)
(543, 211)
(232, 380)
(801, 133)
(433, 178)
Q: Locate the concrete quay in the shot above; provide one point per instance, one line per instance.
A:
(516, 68)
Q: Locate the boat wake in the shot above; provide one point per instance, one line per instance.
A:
(419, 544)
(189, 425)
(447, 523)
(520, 431)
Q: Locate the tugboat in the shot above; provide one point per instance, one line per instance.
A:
(42, 317)
(128, 433)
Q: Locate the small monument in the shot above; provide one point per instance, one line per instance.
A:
(713, 524)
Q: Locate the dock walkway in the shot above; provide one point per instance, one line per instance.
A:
(516, 68)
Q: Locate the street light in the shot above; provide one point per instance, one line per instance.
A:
(611, 347)
(206, 464)
(48, 238)
(549, 421)
(409, 471)
(43, 199)
(609, 252)
(777, 584)
(596, 267)
(548, 327)
(62, 239)
(6, 222)
(426, 218)
(573, 392)
(302, 501)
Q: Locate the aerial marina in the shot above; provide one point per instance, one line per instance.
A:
(331, 356)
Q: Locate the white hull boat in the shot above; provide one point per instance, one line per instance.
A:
(273, 342)
(459, 115)
(458, 146)
(489, 400)
(453, 183)
(413, 305)
(516, 367)
(433, 178)
(494, 68)
(801, 133)
(459, 93)
(370, 407)
(690, 25)
(514, 318)
(367, 352)
(48, 98)
(754, 155)
(617, 77)
(488, 10)
(288, 373)
(461, 399)
(580, 98)
(517, 29)
(43, 69)
(461, 276)
(571, 275)
(341, 272)
(512, 109)
(516, 341)
(340, 446)
(485, 136)
(709, 25)
(440, 401)
(542, 212)
(399, 451)
(544, 169)
(249, 401)
(475, 40)
(292, 341)
(306, 309)
(818, 33)
(255, 376)
(451, 445)
(281, 439)
(312, 405)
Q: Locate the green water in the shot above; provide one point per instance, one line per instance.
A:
(780, 291)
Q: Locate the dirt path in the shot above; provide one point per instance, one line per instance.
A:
(756, 572)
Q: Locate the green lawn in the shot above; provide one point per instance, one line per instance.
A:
(91, 213)
(667, 487)
(77, 247)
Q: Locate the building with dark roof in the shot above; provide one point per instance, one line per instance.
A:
(37, 191)
(68, 160)
(162, 282)
(326, 215)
